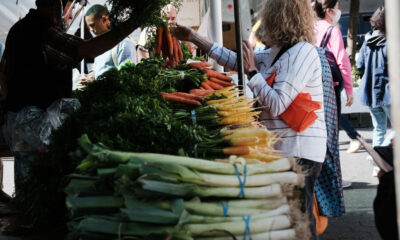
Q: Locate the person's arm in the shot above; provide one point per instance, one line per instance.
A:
(343, 61)
(184, 33)
(222, 55)
(98, 45)
(126, 52)
(360, 61)
(291, 79)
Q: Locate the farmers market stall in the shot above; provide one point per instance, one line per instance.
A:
(167, 148)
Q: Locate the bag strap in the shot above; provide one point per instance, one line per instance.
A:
(326, 37)
(280, 53)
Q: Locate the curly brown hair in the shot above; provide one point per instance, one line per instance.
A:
(287, 22)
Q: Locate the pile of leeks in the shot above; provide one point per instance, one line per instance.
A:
(126, 195)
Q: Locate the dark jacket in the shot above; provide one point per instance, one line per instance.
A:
(374, 87)
(31, 79)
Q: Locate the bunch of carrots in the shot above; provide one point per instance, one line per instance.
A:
(234, 117)
(216, 80)
(169, 46)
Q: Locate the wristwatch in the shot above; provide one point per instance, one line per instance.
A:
(252, 73)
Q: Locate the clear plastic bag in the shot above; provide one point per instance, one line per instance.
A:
(55, 115)
(31, 130)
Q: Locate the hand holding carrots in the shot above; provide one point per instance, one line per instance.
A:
(183, 33)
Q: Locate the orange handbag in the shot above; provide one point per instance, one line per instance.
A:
(300, 114)
(320, 220)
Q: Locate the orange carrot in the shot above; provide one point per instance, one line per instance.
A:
(187, 95)
(206, 86)
(221, 82)
(239, 150)
(159, 42)
(176, 54)
(170, 43)
(164, 47)
(214, 85)
(180, 99)
(180, 53)
(212, 73)
(200, 65)
(201, 92)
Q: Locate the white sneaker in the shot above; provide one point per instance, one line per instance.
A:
(370, 160)
(346, 184)
(355, 145)
(375, 171)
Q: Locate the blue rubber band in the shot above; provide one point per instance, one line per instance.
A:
(242, 183)
(246, 227)
(225, 208)
(193, 114)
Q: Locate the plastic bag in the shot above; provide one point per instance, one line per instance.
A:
(54, 117)
(30, 129)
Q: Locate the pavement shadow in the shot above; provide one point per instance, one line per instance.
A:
(361, 185)
(368, 140)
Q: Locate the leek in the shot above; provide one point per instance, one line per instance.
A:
(173, 172)
(236, 207)
(102, 157)
(239, 227)
(192, 190)
(287, 234)
(283, 210)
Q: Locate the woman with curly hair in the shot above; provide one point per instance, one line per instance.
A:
(287, 28)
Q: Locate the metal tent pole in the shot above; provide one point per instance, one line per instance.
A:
(216, 29)
(83, 37)
(392, 8)
(239, 46)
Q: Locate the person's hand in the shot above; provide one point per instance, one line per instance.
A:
(183, 33)
(85, 80)
(248, 57)
(350, 99)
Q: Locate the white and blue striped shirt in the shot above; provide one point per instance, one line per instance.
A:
(298, 70)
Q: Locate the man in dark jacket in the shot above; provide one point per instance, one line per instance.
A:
(36, 68)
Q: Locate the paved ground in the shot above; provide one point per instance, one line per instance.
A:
(359, 223)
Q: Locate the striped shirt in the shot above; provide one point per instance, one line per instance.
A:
(298, 70)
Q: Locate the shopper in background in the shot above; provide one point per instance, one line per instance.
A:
(375, 81)
(328, 14)
(97, 19)
(288, 27)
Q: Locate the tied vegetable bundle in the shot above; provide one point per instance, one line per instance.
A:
(169, 46)
(232, 119)
(145, 195)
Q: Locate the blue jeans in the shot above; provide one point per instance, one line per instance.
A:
(343, 122)
(379, 116)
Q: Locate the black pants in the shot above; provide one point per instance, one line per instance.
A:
(311, 170)
(343, 122)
